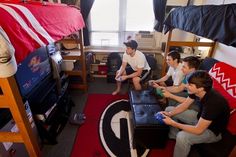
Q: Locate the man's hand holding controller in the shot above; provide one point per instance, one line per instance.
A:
(118, 77)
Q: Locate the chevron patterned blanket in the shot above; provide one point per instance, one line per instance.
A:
(224, 82)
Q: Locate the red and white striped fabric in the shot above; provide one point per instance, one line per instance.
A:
(33, 24)
(225, 75)
(224, 82)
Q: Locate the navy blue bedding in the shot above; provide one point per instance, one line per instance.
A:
(215, 22)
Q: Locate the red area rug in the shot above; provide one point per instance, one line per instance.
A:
(88, 142)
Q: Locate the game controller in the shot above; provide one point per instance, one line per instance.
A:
(159, 117)
(119, 79)
(159, 92)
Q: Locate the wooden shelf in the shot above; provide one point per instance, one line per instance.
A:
(99, 75)
(72, 55)
(77, 86)
(98, 70)
(74, 73)
(78, 55)
(69, 41)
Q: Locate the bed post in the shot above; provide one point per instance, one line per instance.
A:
(163, 70)
(211, 50)
(185, 43)
(11, 98)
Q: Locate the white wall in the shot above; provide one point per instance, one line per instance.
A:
(181, 35)
(226, 54)
(216, 2)
(178, 35)
(177, 2)
(229, 1)
(198, 2)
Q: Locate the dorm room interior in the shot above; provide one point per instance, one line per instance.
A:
(58, 64)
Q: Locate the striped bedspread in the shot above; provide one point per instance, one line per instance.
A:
(34, 24)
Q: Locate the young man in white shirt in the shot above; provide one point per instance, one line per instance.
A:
(138, 70)
(179, 93)
(174, 71)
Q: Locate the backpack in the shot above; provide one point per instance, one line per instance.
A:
(113, 62)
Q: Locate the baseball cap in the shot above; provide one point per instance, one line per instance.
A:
(8, 65)
(132, 44)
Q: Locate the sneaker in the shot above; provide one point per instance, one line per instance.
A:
(77, 118)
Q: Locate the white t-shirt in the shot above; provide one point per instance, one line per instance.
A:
(176, 74)
(137, 61)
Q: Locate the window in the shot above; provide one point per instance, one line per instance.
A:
(112, 21)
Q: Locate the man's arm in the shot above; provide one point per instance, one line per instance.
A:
(122, 69)
(176, 89)
(180, 108)
(164, 78)
(177, 98)
(201, 126)
(135, 74)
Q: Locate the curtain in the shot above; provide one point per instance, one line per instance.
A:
(86, 6)
(159, 8)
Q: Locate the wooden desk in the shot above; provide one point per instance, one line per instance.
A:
(101, 54)
(120, 49)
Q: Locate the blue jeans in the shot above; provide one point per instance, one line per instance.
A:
(185, 140)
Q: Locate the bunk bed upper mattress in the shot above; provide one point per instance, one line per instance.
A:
(216, 22)
(33, 24)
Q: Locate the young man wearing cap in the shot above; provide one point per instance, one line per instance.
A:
(138, 69)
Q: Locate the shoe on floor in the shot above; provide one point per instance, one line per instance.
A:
(77, 118)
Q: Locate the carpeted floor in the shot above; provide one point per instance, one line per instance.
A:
(106, 131)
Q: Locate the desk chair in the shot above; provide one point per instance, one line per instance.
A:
(153, 65)
(114, 62)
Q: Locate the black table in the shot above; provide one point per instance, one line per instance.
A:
(147, 131)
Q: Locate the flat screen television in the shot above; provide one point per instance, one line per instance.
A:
(32, 71)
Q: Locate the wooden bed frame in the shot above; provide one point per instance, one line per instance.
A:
(184, 43)
(12, 100)
(10, 96)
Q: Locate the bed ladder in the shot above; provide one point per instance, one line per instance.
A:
(10, 98)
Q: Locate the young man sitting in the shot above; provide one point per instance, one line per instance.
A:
(138, 69)
(174, 71)
(204, 126)
(178, 94)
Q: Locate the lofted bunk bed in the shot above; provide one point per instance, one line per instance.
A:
(27, 26)
(218, 23)
(215, 22)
